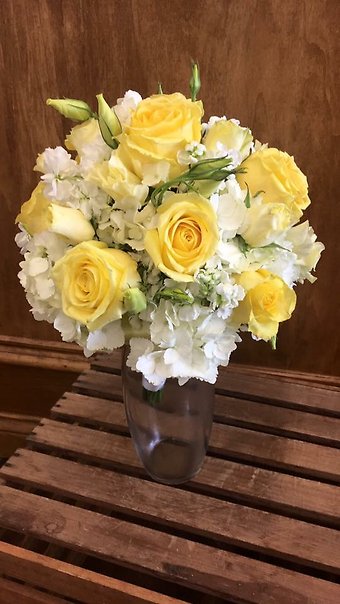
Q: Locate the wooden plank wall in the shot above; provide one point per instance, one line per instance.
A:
(272, 64)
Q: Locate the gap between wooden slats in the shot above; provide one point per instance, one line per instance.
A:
(226, 522)
(203, 567)
(73, 582)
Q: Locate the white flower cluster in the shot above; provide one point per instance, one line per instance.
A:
(204, 245)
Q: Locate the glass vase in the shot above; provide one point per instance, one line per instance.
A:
(170, 427)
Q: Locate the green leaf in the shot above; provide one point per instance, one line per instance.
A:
(247, 198)
(243, 245)
(160, 89)
(195, 81)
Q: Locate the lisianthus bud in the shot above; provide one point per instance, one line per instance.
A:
(76, 110)
(108, 122)
(134, 300)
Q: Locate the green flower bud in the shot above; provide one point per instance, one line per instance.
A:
(108, 122)
(76, 110)
(134, 300)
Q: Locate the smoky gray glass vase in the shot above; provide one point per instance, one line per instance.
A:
(170, 428)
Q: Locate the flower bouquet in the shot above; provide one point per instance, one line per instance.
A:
(173, 234)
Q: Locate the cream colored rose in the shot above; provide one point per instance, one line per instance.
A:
(186, 236)
(92, 280)
(264, 222)
(268, 302)
(39, 214)
(117, 181)
(229, 135)
(160, 126)
(277, 175)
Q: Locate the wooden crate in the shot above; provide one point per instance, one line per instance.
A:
(83, 523)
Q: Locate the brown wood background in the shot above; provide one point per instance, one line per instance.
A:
(272, 64)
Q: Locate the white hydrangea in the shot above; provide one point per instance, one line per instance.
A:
(107, 338)
(185, 342)
(35, 274)
(126, 226)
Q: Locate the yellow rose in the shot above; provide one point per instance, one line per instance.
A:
(268, 302)
(117, 181)
(92, 280)
(277, 175)
(229, 134)
(40, 214)
(161, 125)
(186, 236)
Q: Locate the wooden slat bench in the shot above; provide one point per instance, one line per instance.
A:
(81, 521)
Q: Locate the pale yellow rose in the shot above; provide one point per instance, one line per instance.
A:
(268, 302)
(92, 279)
(82, 135)
(160, 126)
(186, 236)
(231, 136)
(40, 214)
(277, 175)
(117, 181)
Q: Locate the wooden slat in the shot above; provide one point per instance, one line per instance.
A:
(97, 383)
(308, 459)
(270, 534)
(278, 420)
(42, 353)
(14, 593)
(200, 566)
(287, 394)
(72, 581)
(91, 410)
(291, 394)
(17, 423)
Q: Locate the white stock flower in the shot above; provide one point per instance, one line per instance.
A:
(303, 241)
(126, 105)
(191, 154)
(59, 171)
(230, 209)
